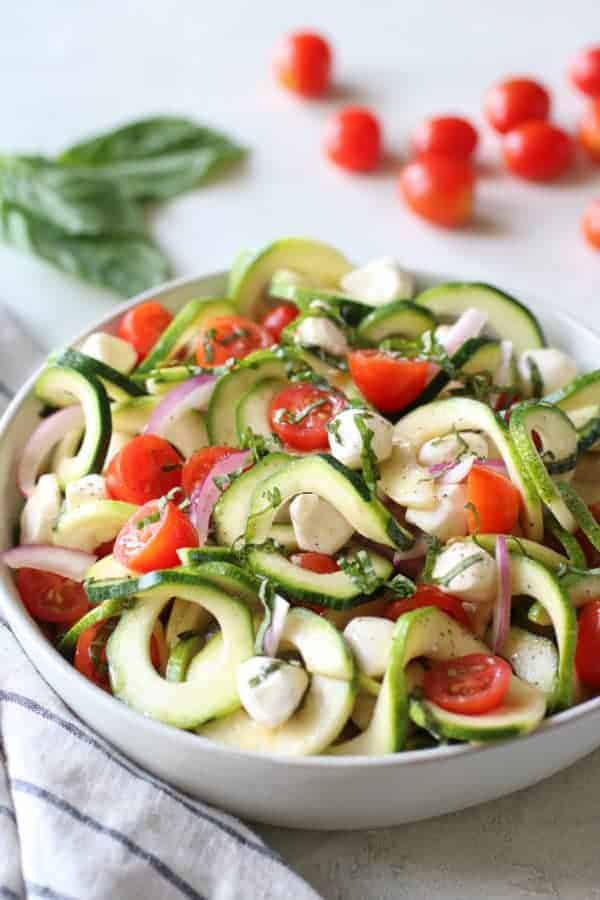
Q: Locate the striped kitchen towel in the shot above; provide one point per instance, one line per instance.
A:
(79, 821)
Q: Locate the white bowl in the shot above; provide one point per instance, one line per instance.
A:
(313, 792)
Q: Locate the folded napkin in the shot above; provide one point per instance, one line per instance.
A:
(78, 820)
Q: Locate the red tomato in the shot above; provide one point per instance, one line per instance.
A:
(302, 63)
(439, 188)
(587, 654)
(90, 652)
(385, 380)
(146, 468)
(590, 224)
(299, 415)
(51, 598)
(104, 549)
(143, 325)
(229, 337)
(514, 101)
(353, 139)
(199, 465)
(315, 562)
(448, 135)
(496, 500)
(277, 319)
(470, 685)
(538, 151)
(585, 71)
(150, 539)
(428, 595)
(589, 131)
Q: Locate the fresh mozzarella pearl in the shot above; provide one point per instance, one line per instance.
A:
(447, 449)
(85, 490)
(41, 511)
(448, 518)
(475, 584)
(379, 282)
(317, 525)
(319, 331)
(111, 350)
(555, 367)
(370, 639)
(118, 440)
(270, 689)
(345, 439)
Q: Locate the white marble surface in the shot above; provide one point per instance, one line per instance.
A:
(68, 68)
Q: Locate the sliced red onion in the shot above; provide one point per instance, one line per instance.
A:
(497, 465)
(272, 635)
(63, 561)
(207, 493)
(459, 471)
(48, 433)
(501, 621)
(192, 394)
(468, 325)
(418, 550)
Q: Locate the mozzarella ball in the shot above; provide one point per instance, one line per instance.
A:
(475, 584)
(319, 331)
(270, 689)
(317, 525)
(555, 367)
(379, 282)
(346, 441)
(447, 449)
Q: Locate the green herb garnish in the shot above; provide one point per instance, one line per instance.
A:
(360, 569)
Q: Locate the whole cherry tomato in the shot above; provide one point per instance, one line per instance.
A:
(514, 101)
(143, 325)
(590, 224)
(538, 151)
(353, 139)
(302, 63)
(589, 131)
(585, 71)
(439, 188)
(448, 135)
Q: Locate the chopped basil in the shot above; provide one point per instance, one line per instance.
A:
(370, 469)
(401, 585)
(150, 519)
(293, 418)
(223, 481)
(360, 569)
(260, 445)
(333, 427)
(271, 667)
(458, 569)
(207, 344)
(537, 382)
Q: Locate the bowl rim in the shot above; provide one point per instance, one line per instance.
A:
(31, 639)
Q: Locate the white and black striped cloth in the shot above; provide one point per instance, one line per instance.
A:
(79, 821)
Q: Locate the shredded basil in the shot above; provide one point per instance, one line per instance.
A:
(537, 382)
(401, 586)
(458, 569)
(293, 418)
(370, 468)
(260, 445)
(360, 569)
(271, 667)
(207, 344)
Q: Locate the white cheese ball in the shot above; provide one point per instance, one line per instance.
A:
(370, 639)
(448, 518)
(41, 511)
(111, 350)
(85, 490)
(346, 442)
(379, 282)
(555, 367)
(317, 525)
(270, 689)
(475, 584)
(319, 331)
(447, 449)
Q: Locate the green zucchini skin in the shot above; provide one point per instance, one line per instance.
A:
(118, 386)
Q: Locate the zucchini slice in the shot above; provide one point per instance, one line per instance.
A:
(117, 385)
(401, 318)
(92, 524)
(182, 655)
(252, 410)
(286, 285)
(107, 610)
(542, 554)
(131, 416)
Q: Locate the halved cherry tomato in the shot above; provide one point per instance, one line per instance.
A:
(587, 653)
(428, 595)
(471, 685)
(514, 101)
(146, 468)
(302, 63)
(299, 415)
(385, 380)
(353, 139)
(229, 337)
(589, 131)
(90, 652)
(152, 536)
(278, 317)
(315, 562)
(494, 498)
(590, 224)
(538, 151)
(439, 188)
(585, 71)
(51, 598)
(448, 135)
(199, 465)
(143, 325)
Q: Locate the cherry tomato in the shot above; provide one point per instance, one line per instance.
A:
(590, 224)
(428, 595)
(51, 598)
(587, 654)
(353, 139)
(90, 652)
(385, 380)
(470, 685)
(585, 71)
(514, 101)
(229, 337)
(589, 131)
(315, 562)
(448, 135)
(199, 465)
(299, 415)
(146, 468)
(302, 63)
(495, 499)
(152, 536)
(277, 319)
(143, 325)
(439, 188)
(104, 549)
(538, 151)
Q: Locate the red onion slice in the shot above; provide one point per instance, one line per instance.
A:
(272, 635)
(192, 394)
(48, 433)
(207, 493)
(418, 550)
(497, 465)
(501, 621)
(468, 325)
(63, 561)
(453, 472)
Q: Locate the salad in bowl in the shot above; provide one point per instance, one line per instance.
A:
(325, 514)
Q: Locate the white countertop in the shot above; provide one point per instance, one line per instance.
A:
(69, 68)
